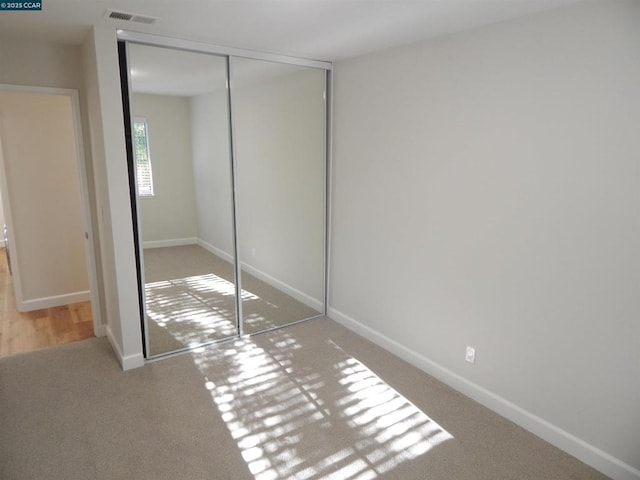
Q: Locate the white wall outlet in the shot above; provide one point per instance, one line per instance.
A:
(470, 355)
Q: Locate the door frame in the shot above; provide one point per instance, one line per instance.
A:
(99, 329)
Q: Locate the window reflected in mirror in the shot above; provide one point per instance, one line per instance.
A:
(183, 167)
(230, 202)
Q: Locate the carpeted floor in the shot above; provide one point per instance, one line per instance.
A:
(311, 401)
(190, 298)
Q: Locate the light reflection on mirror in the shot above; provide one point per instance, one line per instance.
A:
(185, 226)
(311, 415)
(186, 310)
(279, 132)
(186, 221)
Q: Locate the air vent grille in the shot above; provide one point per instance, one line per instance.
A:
(131, 17)
(120, 16)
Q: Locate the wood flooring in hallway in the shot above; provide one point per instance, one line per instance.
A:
(28, 331)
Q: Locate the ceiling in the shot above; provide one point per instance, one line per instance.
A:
(314, 29)
(166, 71)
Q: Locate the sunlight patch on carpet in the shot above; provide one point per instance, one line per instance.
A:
(295, 415)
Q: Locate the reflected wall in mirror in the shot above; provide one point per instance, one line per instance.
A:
(181, 140)
(278, 113)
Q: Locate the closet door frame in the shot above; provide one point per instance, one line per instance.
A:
(125, 37)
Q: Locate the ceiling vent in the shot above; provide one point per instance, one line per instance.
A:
(131, 17)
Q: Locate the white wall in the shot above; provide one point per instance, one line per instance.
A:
(44, 64)
(212, 169)
(170, 214)
(111, 182)
(279, 135)
(485, 193)
(2, 220)
(43, 188)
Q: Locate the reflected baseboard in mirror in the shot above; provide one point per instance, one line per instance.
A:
(190, 299)
(228, 155)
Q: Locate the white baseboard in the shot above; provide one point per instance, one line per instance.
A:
(99, 330)
(2, 245)
(172, 242)
(129, 362)
(56, 301)
(283, 287)
(587, 453)
(274, 282)
(215, 250)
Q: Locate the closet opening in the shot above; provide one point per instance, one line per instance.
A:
(228, 186)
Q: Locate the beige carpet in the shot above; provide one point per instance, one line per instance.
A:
(311, 401)
(190, 298)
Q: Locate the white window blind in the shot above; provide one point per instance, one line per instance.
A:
(143, 159)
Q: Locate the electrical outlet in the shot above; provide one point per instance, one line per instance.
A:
(470, 355)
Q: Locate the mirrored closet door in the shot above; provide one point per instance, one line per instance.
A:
(228, 164)
(279, 137)
(181, 146)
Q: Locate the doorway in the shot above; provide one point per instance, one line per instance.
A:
(52, 287)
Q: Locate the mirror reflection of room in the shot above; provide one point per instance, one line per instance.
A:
(279, 133)
(183, 174)
(185, 202)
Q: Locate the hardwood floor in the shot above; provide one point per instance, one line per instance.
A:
(24, 332)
